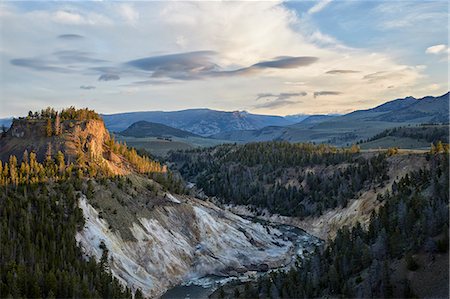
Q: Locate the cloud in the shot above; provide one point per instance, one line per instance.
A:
(108, 77)
(281, 96)
(406, 14)
(286, 62)
(335, 72)
(38, 64)
(384, 75)
(326, 93)
(67, 17)
(73, 56)
(179, 66)
(70, 36)
(87, 87)
(71, 17)
(240, 57)
(65, 61)
(438, 49)
(320, 5)
(128, 13)
(150, 82)
(278, 100)
(276, 104)
(201, 64)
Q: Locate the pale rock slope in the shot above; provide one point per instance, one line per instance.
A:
(182, 240)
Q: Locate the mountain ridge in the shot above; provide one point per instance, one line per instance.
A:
(144, 128)
(202, 121)
(354, 126)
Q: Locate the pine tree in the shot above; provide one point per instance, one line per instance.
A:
(138, 294)
(49, 127)
(60, 162)
(57, 124)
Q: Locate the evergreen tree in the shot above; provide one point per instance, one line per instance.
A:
(57, 124)
(48, 128)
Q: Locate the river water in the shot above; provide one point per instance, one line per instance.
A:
(201, 288)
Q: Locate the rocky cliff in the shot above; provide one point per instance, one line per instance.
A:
(80, 142)
(179, 238)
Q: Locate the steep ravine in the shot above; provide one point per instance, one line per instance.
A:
(358, 209)
(184, 238)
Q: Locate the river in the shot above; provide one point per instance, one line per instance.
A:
(201, 288)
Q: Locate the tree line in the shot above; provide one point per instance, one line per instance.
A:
(70, 113)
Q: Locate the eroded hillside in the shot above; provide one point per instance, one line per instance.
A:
(160, 240)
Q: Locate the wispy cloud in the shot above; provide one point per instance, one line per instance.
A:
(404, 14)
(442, 51)
(276, 104)
(128, 13)
(281, 96)
(108, 77)
(335, 72)
(326, 93)
(384, 75)
(70, 36)
(183, 66)
(320, 5)
(87, 87)
(437, 49)
(39, 64)
(200, 64)
(72, 17)
(278, 100)
(65, 61)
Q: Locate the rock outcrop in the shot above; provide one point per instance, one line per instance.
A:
(78, 140)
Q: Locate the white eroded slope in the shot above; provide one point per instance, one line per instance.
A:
(180, 241)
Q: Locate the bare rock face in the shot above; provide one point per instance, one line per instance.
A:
(184, 239)
(77, 140)
(87, 137)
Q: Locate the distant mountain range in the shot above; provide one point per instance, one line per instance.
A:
(352, 127)
(202, 122)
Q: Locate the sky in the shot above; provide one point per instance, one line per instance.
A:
(265, 57)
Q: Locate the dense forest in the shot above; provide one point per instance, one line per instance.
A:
(426, 132)
(357, 263)
(40, 257)
(288, 179)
